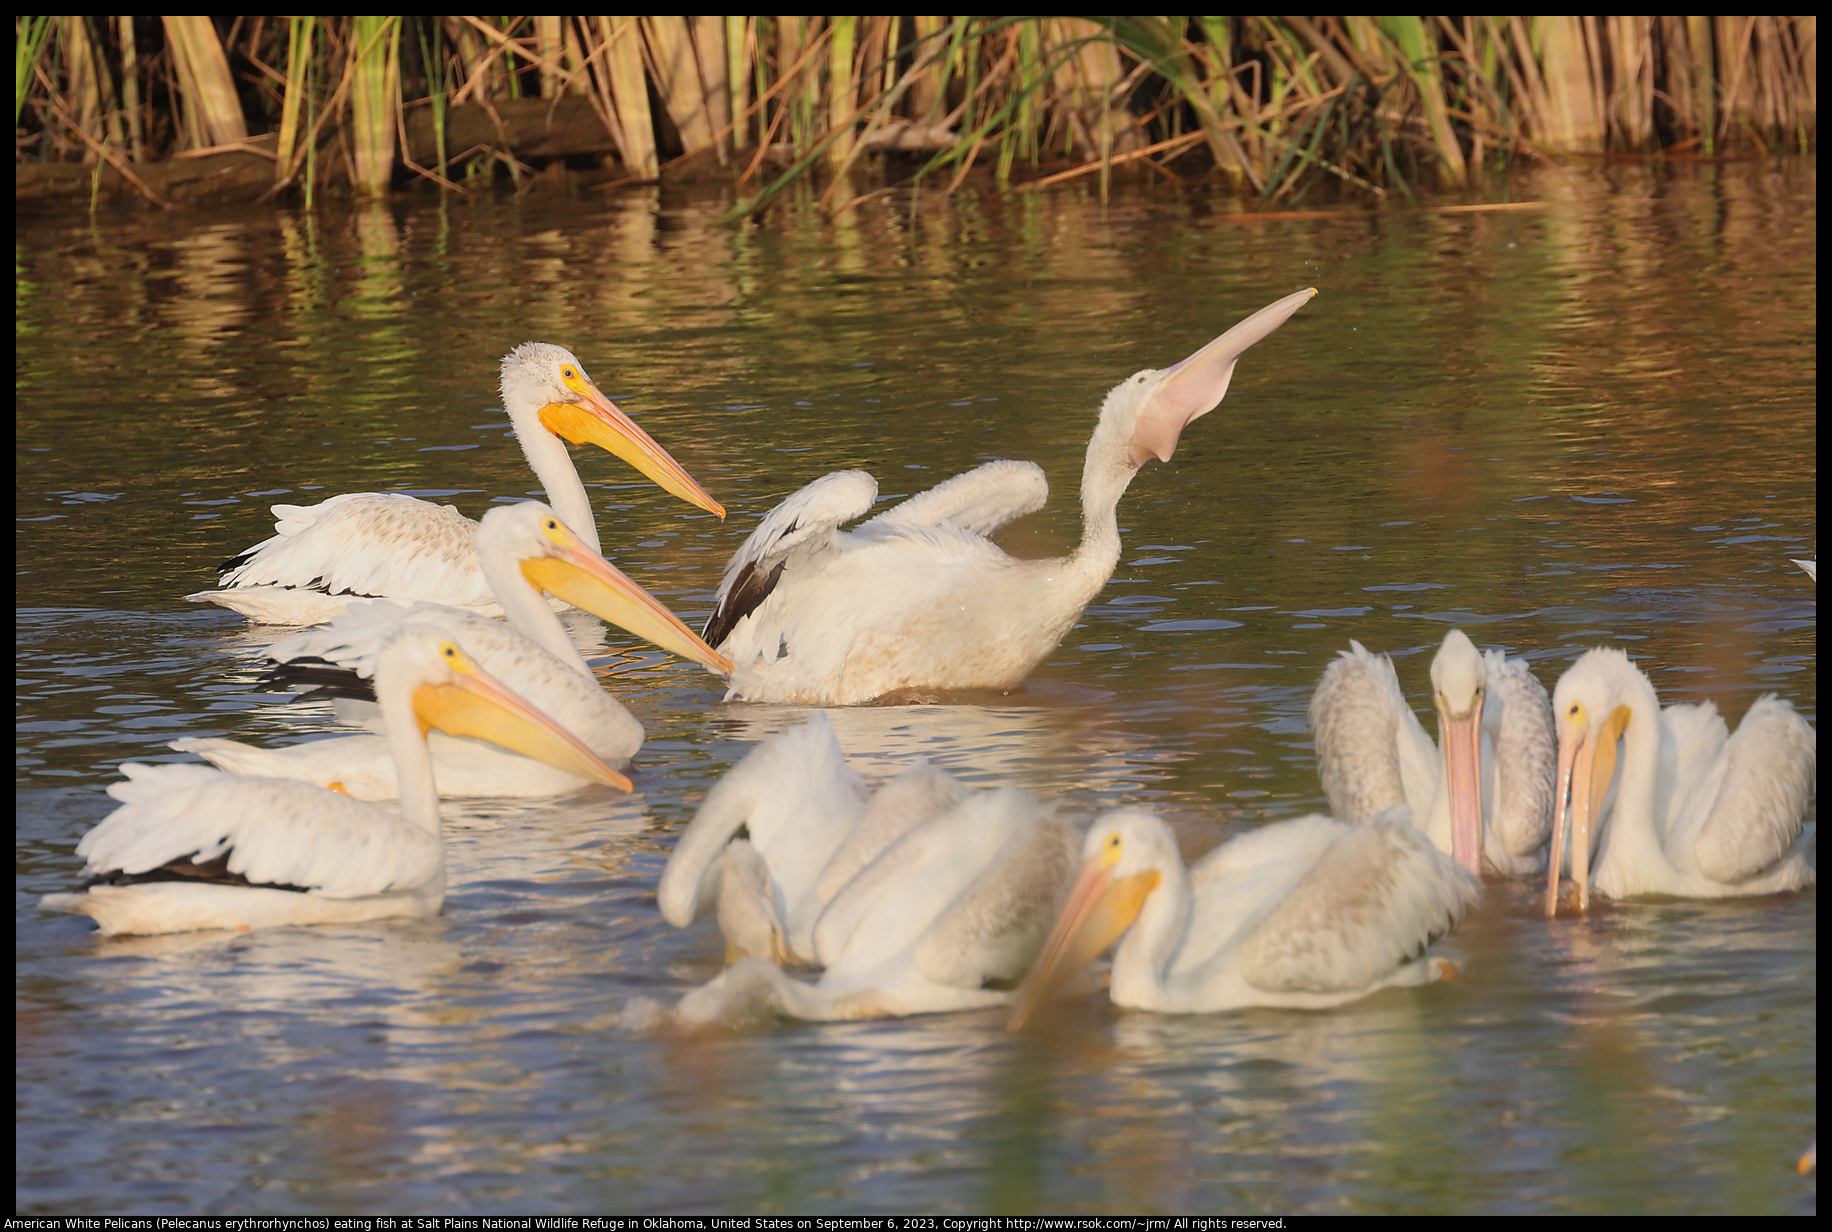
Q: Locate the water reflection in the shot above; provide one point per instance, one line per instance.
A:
(1593, 423)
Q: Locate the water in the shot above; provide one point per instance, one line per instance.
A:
(1592, 423)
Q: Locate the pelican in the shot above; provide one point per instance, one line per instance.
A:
(194, 848)
(1307, 914)
(948, 916)
(919, 598)
(811, 826)
(388, 545)
(1486, 797)
(523, 548)
(1688, 809)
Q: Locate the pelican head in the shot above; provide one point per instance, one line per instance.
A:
(1458, 679)
(1145, 414)
(1592, 706)
(554, 559)
(1123, 859)
(449, 691)
(1162, 402)
(546, 385)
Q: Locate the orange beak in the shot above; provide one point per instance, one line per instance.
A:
(595, 420)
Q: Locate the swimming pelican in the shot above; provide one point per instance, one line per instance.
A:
(918, 598)
(194, 848)
(1307, 914)
(388, 545)
(523, 549)
(811, 825)
(949, 916)
(1488, 790)
(1695, 812)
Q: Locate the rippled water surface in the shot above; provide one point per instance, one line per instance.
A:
(1590, 423)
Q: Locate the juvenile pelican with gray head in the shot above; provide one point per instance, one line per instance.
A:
(919, 598)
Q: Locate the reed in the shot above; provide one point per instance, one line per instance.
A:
(1271, 105)
(212, 110)
(629, 94)
(374, 98)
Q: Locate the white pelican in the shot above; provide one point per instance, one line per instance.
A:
(1490, 787)
(1307, 914)
(1810, 568)
(949, 916)
(193, 848)
(811, 826)
(918, 598)
(1691, 811)
(523, 549)
(387, 545)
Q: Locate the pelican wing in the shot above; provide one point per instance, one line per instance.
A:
(749, 914)
(753, 571)
(1375, 898)
(1695, 738)
(991, 933)
(1757, 814)
(356, 639)
(1236, 883)
(981, 501)
(1372, 752)
(269, 832)
(911, 798)
(1526, 754)
(794, 792)
(364, 543)
(893, 899)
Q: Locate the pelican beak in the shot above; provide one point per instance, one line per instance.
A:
(1192, 387)
(1590, 776)
(1586, 764)
(1098, 910)
(473, 703)
(1570, 737)
(586, 580)
(1463, 764)
(595, 420)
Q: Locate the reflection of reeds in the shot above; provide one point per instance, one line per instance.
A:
(1273, 104)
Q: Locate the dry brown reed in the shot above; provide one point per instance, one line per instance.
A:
(1274, 105)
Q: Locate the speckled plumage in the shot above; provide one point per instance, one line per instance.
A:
(1375, 758)
(1308, 914)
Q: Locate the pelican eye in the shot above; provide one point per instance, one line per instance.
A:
(568, 373)
(553, 524)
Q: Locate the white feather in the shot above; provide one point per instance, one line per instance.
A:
(918, 599)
